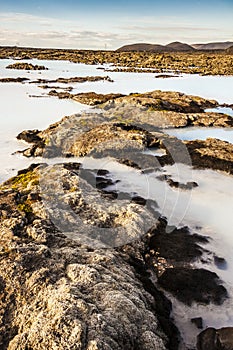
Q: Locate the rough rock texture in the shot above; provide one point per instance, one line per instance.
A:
(26, 66)
(89, 98)
(211, 63)
(211, 153)
(56, 292)
(175, 248)
(216, 339)
(133, 123)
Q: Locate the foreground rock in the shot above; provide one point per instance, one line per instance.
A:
(57, 292)
(216, 339)
(26, 66)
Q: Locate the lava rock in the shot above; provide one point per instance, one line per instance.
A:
(198, 321)
(215, 339)
(189, 285)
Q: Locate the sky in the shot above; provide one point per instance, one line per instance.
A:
(109, 24)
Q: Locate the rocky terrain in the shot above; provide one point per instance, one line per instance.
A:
(193, 62)
(59, 292)
(87, 266)
(141, 121)
(59, 288)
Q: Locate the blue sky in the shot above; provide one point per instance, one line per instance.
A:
(111, 24)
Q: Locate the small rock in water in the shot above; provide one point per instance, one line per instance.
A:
(220, 262)
(189, 285)
(215, 339)
(198, 321)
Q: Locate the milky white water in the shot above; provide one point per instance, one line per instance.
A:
(225, 110)
(208, 206)
(199, 133)
(207, 210)
(19, 111)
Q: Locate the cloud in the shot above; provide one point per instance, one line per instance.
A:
(68, 39)
(166, 28)
(30, 30)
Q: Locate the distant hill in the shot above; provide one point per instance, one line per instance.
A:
(213, 46)
(144, 47)
(177, 46)
(230, 49)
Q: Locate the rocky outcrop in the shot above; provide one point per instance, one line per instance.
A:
(89, 98)
(161, 109)
(13, 80)
(73, 80)
(57, 291)
(29, 136)
(189, 285)
(165, 76)
(171, 252)
(26, 66)
(216, 339)
(137, 122)
(211, 153)
(206, 154)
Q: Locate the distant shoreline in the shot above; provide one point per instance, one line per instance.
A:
(192, 62)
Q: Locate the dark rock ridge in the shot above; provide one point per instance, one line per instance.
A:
(59, 292)
(178, 247)
(211, 63)
(165, 76)
(211, 153)
(170, 253)
(189, 285)
(13, 80)
(26, 66)
(208, 154)
(89, 98)
(72, 80)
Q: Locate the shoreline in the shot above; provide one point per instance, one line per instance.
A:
(193, 63)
